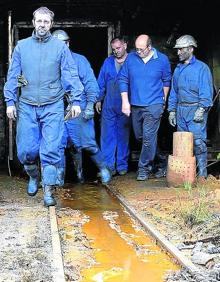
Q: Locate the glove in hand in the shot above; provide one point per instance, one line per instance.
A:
(89, 111)
(172, 118)
(199, 115)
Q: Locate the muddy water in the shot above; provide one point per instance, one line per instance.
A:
(122, 251)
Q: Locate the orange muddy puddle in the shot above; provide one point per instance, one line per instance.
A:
(122, 251)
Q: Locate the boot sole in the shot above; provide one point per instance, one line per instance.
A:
(50, 204)
(32, 194)
(142, 179)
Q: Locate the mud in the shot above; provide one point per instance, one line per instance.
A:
(26, 249)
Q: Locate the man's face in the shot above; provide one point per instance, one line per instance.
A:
(142, 49)
(184, 53)
(119, 49)
(42, 24)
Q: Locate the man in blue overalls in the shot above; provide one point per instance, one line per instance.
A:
(115, 126)
(48, 71)
(190, 98)
(80, 131)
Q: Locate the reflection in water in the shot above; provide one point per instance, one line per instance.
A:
(123, 252)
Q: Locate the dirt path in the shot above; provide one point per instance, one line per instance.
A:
(184, 216)
(26, 250)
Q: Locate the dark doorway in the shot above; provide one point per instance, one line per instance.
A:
(92, 42)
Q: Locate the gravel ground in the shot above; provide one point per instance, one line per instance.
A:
(26, 250)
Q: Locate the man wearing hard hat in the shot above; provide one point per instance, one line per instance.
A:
(190, 98)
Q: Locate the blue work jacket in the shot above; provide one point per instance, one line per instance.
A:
(191, 84)
(87, 78)
(145, 80)
(48, 67)
(108, 84)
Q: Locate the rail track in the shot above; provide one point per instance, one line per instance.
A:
(93, 234)
(73, 197)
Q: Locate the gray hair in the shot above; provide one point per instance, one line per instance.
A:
(44, 10)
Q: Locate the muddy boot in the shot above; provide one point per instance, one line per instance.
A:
(142, 174)
(60, 176)
(33, 172)
(105, 175)
(104, 172)
(76, 155)
(48, 196)
(161, 172)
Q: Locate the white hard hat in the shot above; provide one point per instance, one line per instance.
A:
(185, 41)
(61, 34)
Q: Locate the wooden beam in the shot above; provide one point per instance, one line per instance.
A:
(58, 270)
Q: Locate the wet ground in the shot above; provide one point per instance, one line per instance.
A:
(117, 247)
(185, 216)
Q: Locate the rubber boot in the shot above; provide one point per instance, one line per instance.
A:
(201, 165)
(49, 180)
(60, 176)
(162, 171)
(76, 155)
(48, 196)
(105, 174)
(143, 173)
(33, 173)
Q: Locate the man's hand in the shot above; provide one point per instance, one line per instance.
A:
(199, 115)
(98, 107)
(126, 108)
(89, 111)
(11, 112)
(75, 111)
(172, 118)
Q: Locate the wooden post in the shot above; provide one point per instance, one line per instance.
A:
(181, 166)
(182, 144)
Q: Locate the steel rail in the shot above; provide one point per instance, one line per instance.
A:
(161, 239)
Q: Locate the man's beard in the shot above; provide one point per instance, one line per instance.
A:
(184, 57)
(41, 33)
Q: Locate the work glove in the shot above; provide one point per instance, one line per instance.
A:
(11, 112)
(21, 81)
(89, 111)
(172, 118)
(72, 112)
(199, 115)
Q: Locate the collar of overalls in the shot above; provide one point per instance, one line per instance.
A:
(44, 39)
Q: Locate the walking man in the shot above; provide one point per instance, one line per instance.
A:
(79, 132)
(147, 74)
(48, 71)
(115, 126)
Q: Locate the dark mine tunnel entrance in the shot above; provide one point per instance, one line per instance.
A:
(90, 41)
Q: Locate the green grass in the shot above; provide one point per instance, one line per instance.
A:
(194, 208)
